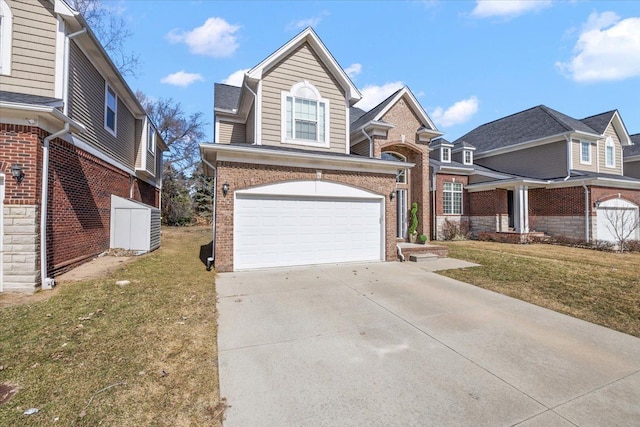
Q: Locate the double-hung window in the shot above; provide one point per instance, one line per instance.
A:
(585, 153)
(609, 153)
(445, 154)
(468, 157)
(110, 109)
(452, 201)
(6, 23)
(306, 116)
(151, 138)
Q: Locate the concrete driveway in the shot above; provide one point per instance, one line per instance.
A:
(383, 344)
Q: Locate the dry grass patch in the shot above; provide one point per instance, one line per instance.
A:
(101, 353)
(599, 287)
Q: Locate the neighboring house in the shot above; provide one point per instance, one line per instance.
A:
(302, 176)
(631, 155)
(539, 170)
(72, 135)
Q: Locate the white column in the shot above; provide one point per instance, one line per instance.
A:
(521, 209)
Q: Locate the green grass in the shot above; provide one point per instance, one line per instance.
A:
(98, 353)
(599, 287)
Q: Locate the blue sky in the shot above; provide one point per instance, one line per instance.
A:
(468, 62)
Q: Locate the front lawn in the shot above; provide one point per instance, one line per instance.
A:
(599, 287)
(99, 353)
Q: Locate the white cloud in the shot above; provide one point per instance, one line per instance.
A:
(507, 8)
(458, 113)
(182, 79)
(353, 70)
(608, 49)
(372, 95)
(216, 38)
(314, 21)
(235, 78)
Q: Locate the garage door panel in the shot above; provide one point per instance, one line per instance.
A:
(273, 232)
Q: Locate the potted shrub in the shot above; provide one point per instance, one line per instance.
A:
(413, 228)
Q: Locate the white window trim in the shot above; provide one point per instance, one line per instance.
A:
(5, 38)
(609, 143)
(582, 161)
(445, 150)
(151, 132)
(283, 109)
(461, 192)
(113, 131)
(464, 157)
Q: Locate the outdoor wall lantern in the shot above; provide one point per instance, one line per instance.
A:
(17, 173)
(597, 203)
(392, 195)
(225, 188)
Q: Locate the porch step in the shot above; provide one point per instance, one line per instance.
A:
(409, 249)
(423, 257)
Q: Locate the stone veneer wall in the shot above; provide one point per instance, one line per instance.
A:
(21, 259)
(566, 226)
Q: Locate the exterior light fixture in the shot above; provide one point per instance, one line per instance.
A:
(392, 195)
(225, 188)
(17, 173)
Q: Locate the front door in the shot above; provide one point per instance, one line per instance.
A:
(401, 195)
(510, 211)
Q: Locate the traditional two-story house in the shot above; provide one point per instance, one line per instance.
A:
(542, 170)
(72, 135)
(304, 177)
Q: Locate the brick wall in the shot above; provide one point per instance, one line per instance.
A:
(556, 201)
(241, 176)
(79, 207)
(488, 203)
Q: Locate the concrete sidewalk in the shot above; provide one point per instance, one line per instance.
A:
(392, 344)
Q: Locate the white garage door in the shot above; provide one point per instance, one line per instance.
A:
(277, 230)
(617, 217)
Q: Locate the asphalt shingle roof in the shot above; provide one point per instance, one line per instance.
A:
(22, 98)
(633, 150)
(599, 122)
(528, 125)
(226, 97)
(368, 116)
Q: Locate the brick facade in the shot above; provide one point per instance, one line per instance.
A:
(79, 205)
(241, 176)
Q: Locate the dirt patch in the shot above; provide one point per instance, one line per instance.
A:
(6, 392)
(97, 268)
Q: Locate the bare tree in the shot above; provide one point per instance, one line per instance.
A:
(623, 223)
(112, 31)
(180, 132)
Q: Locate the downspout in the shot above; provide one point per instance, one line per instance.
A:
(434, 227)
(65, 107)
(46, 282)
(364, 132)
(255, 115)
(212, 259)
(587, 211)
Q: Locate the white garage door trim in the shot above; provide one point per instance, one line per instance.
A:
(345, 224)
(1, 232)
(615, 209)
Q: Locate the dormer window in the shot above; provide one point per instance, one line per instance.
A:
(445, 154)
(467, 157)
(305, 118)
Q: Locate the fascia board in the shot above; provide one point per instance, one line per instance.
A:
(308, 35)
(621, 129)
(492, 185)
(524, 145)
(597, 181)
(416, 107)
(223, 152)
(51, 112)
(632, 158)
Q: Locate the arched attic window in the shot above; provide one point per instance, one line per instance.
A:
(401, 176)
(610, 153)
(305, 118)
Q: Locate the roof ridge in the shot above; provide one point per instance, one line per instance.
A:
(549, 111)
(600, 114)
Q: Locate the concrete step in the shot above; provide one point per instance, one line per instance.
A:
(423, 257)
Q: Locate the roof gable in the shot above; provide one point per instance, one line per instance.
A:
(633, 150)
(309, 36)
(600, 123)
(377, 112)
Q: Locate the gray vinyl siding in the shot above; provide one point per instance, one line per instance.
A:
(231, 133)
(33, 50)
(576, 155)
(86, 105)
(361, 148)
(544, 161)
(139, 143)
(302, 64)
(155, 230)
(151, 160)
(632, 169)
(617, 170)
